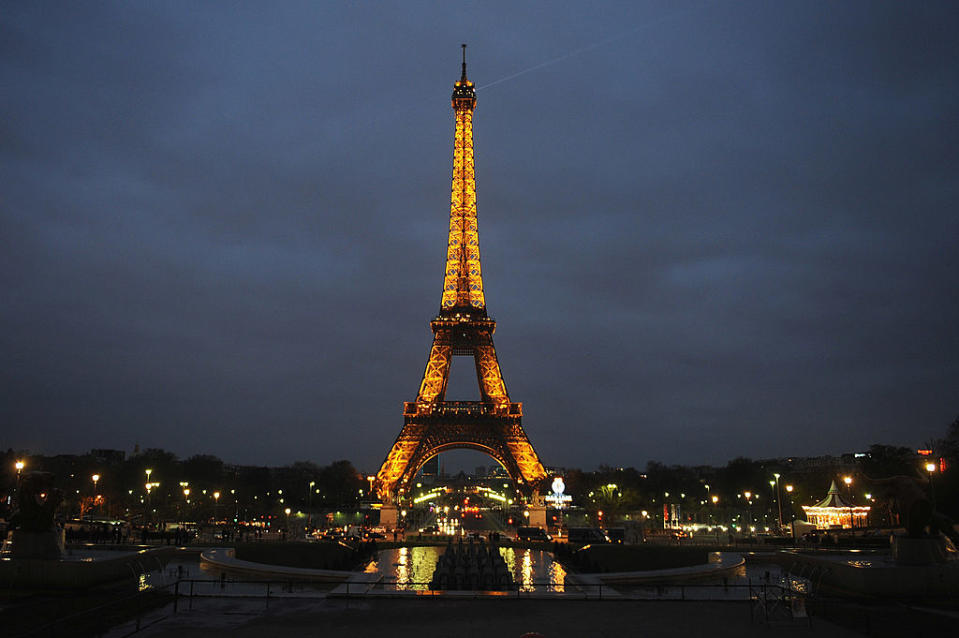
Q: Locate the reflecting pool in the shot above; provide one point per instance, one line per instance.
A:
(411, 568)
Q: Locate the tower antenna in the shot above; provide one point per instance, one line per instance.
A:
(463, 79)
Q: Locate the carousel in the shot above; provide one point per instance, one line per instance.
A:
(833, 512)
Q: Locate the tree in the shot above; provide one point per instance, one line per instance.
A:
(203, 471)
(882, 461)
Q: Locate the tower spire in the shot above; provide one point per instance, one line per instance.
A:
(463, 282)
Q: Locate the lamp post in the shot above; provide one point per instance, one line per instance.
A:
(96, 478)
(931, 469)
(789, 490)
(749, 514)
(779, 503)
(848, 481)
(309, 506)
(19, 465)
(216, 503)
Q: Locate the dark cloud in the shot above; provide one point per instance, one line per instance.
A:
(722, 230)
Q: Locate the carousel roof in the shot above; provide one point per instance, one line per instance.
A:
(833, 502)
(833, 499)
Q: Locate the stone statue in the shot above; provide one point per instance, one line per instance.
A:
(35, 535)
(907, 499)
(930, 535)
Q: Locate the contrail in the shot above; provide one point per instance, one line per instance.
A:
(595, 45)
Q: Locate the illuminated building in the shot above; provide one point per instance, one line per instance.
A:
(433, 425)
(833, 512)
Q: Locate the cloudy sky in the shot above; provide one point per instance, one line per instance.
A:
(708, 229)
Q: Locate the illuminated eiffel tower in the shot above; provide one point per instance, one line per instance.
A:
(432, 425)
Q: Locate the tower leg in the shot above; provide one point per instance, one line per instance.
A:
(537, 516)
(388, 517)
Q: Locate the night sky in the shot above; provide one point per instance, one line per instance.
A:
(708, 229)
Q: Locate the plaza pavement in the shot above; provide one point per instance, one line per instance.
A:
(484, 618)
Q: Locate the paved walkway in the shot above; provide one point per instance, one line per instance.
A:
(445, 618)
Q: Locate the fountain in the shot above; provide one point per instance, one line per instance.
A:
(35, 535)
(471, 568)
(34, 552)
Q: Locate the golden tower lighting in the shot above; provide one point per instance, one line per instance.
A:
(462, 327)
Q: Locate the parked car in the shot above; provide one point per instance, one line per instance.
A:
(532, 534)
(586, 535)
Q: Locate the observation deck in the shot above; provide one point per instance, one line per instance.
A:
(462, 409)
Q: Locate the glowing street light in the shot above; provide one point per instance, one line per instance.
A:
(779, 502)
(931, 468)
(19, 465)
(95, 477)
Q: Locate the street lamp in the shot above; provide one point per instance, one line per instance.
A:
(19, 465)
(848, 481)
(749, 514)
(931, 469)
(789, 490)
(216, 502)
(779, 503)
(95, 477)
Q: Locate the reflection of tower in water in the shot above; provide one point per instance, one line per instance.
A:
(412, 568)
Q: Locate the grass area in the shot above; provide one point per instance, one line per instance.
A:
(632, 558)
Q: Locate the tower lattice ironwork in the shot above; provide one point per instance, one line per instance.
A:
(432, 425)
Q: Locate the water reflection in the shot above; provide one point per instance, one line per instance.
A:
(411, 568)
(402, 567)
(557, 577)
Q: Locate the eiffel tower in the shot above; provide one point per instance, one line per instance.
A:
(432, 424)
